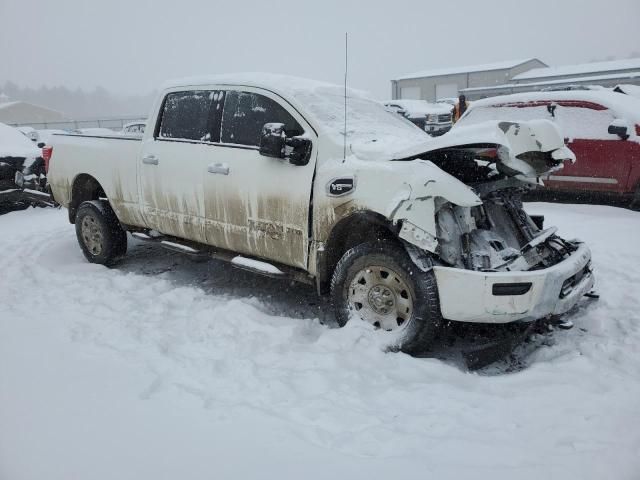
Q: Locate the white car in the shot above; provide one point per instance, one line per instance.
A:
(402, 230)
(134, 128)
(95, 131)
(44, 135)
(432, 118)
(29, 132)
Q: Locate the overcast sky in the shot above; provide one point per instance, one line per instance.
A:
(130, 47)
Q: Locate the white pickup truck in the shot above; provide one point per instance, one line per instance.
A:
(402, 230)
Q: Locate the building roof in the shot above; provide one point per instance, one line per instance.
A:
(594, 79)
(580, 69)
(468, 69)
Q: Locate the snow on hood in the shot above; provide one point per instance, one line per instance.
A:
(14, 144)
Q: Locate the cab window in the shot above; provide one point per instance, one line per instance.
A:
(185, 116)
(245, 114)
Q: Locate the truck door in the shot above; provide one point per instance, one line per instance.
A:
(255, 204)
(173, 165)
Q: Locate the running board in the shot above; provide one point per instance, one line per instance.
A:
(206, 251)
(256, 266)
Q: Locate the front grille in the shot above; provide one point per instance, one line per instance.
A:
(444, 118)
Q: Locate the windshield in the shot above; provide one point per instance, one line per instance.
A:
(368, 122)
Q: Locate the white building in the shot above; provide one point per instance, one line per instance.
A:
(480, 81)
(432, 85)
(604, 74)
(15, 113)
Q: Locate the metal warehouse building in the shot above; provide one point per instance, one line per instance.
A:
(482, 81)
(448, 82)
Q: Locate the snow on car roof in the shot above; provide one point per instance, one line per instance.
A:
(15, 144)
(625, 106)
(466, 69)
(580, 69)
(285, 84)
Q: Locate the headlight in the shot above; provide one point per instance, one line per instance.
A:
(432, 118)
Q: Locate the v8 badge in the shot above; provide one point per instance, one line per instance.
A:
(341, 186)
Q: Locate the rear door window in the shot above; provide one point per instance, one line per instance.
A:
(245, 113)
(186, 116)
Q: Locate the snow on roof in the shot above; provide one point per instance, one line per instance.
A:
(633, 90)
(580, 69)
(564, 81)
(15, 144)
(624, 106)
(9, 104)
(420, 107)
(278, 83)
(467, 69)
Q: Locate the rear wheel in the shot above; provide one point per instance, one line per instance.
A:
(378, 283)
(99, 233)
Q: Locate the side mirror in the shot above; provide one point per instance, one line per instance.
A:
(274, 143)
(272, 140)
(298, 150)
(41, 144)
(620, 128)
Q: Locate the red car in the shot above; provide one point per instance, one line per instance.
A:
(602, 128)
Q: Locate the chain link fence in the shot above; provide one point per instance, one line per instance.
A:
(115, 124)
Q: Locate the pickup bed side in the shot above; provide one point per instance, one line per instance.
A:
(94, 167)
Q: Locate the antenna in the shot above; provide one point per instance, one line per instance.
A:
(346, 64)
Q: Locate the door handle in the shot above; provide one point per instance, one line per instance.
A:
(219, 168)
(150, 160)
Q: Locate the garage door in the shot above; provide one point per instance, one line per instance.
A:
(446, 90)
(410, 93)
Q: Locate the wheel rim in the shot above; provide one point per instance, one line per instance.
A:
(380, 296)
(91, 235)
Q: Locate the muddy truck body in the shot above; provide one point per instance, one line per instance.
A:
(402, 230)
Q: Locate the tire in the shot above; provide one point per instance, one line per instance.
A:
(99, 233)
(635, 201)
(409, 324)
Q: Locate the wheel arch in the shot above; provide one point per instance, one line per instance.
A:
(352, 230)
(84, 188)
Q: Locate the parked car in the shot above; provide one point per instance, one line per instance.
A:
(44, 135)
(29, 132)
(133, 128)
(22, 170)
(601, 127)
(432, 118)
(96, 131)
(452, 101)
(396, 228)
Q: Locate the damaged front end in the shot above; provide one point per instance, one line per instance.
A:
(492, 261)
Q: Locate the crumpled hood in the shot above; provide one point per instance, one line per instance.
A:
(519, 145)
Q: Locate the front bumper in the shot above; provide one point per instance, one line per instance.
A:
(503, 297)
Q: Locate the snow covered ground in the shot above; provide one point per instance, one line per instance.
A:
(166, 368)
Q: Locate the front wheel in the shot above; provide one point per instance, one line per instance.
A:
(377, 282)
(99, 233)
